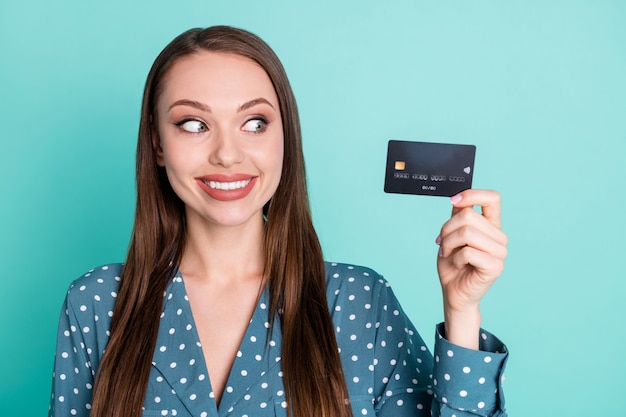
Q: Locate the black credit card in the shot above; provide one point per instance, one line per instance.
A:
(427, 168)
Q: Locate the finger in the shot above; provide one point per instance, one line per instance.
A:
(474, 238)
(488, 200)
(467, 217)
(486, 266)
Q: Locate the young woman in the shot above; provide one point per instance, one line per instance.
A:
(225, 306)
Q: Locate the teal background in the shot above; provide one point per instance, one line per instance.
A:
(538, 86)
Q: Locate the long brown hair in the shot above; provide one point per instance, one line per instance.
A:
(312, 373)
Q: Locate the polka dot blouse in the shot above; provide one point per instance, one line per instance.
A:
(388, 369)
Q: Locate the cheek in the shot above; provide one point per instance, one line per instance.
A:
(279, 154)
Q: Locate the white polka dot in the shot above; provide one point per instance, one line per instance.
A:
(463, 393)
(446, 377)
(487, 359)
(400, 402)
(192, 397)
(466, 370)
(481, 380)
(157, 399)
(450, 353)
(481, 405)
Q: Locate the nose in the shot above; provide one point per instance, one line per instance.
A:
(225, 150)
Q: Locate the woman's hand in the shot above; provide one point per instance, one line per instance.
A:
(471, 257)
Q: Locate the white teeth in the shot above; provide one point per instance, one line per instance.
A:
(234, 185)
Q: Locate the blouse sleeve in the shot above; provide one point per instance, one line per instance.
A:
(82, 337)
(454, 382)
(72, 379)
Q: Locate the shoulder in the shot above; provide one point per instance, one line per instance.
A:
(353, 277)
(97, 286)
(355, 287)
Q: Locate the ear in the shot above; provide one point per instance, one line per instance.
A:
(156, 145)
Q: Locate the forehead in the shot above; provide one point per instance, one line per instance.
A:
(216, 76)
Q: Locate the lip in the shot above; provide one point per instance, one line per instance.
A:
(239, 185)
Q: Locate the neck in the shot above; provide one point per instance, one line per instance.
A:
(224, 254)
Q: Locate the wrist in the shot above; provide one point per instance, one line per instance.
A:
(463, 326)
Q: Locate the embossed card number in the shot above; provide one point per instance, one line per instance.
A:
(429, 168)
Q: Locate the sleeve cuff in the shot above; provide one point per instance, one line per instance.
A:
(466, 379)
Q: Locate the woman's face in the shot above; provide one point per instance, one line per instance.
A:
(220, 137)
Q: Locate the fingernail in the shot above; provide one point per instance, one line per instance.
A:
(438, 240)
(440, 252)
(455, 199)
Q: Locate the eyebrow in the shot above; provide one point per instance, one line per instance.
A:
(201, 106)
(191, 103)
(255, 102)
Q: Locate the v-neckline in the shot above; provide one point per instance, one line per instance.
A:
(253, 357)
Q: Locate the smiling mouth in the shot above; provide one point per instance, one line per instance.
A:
(232, 185)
